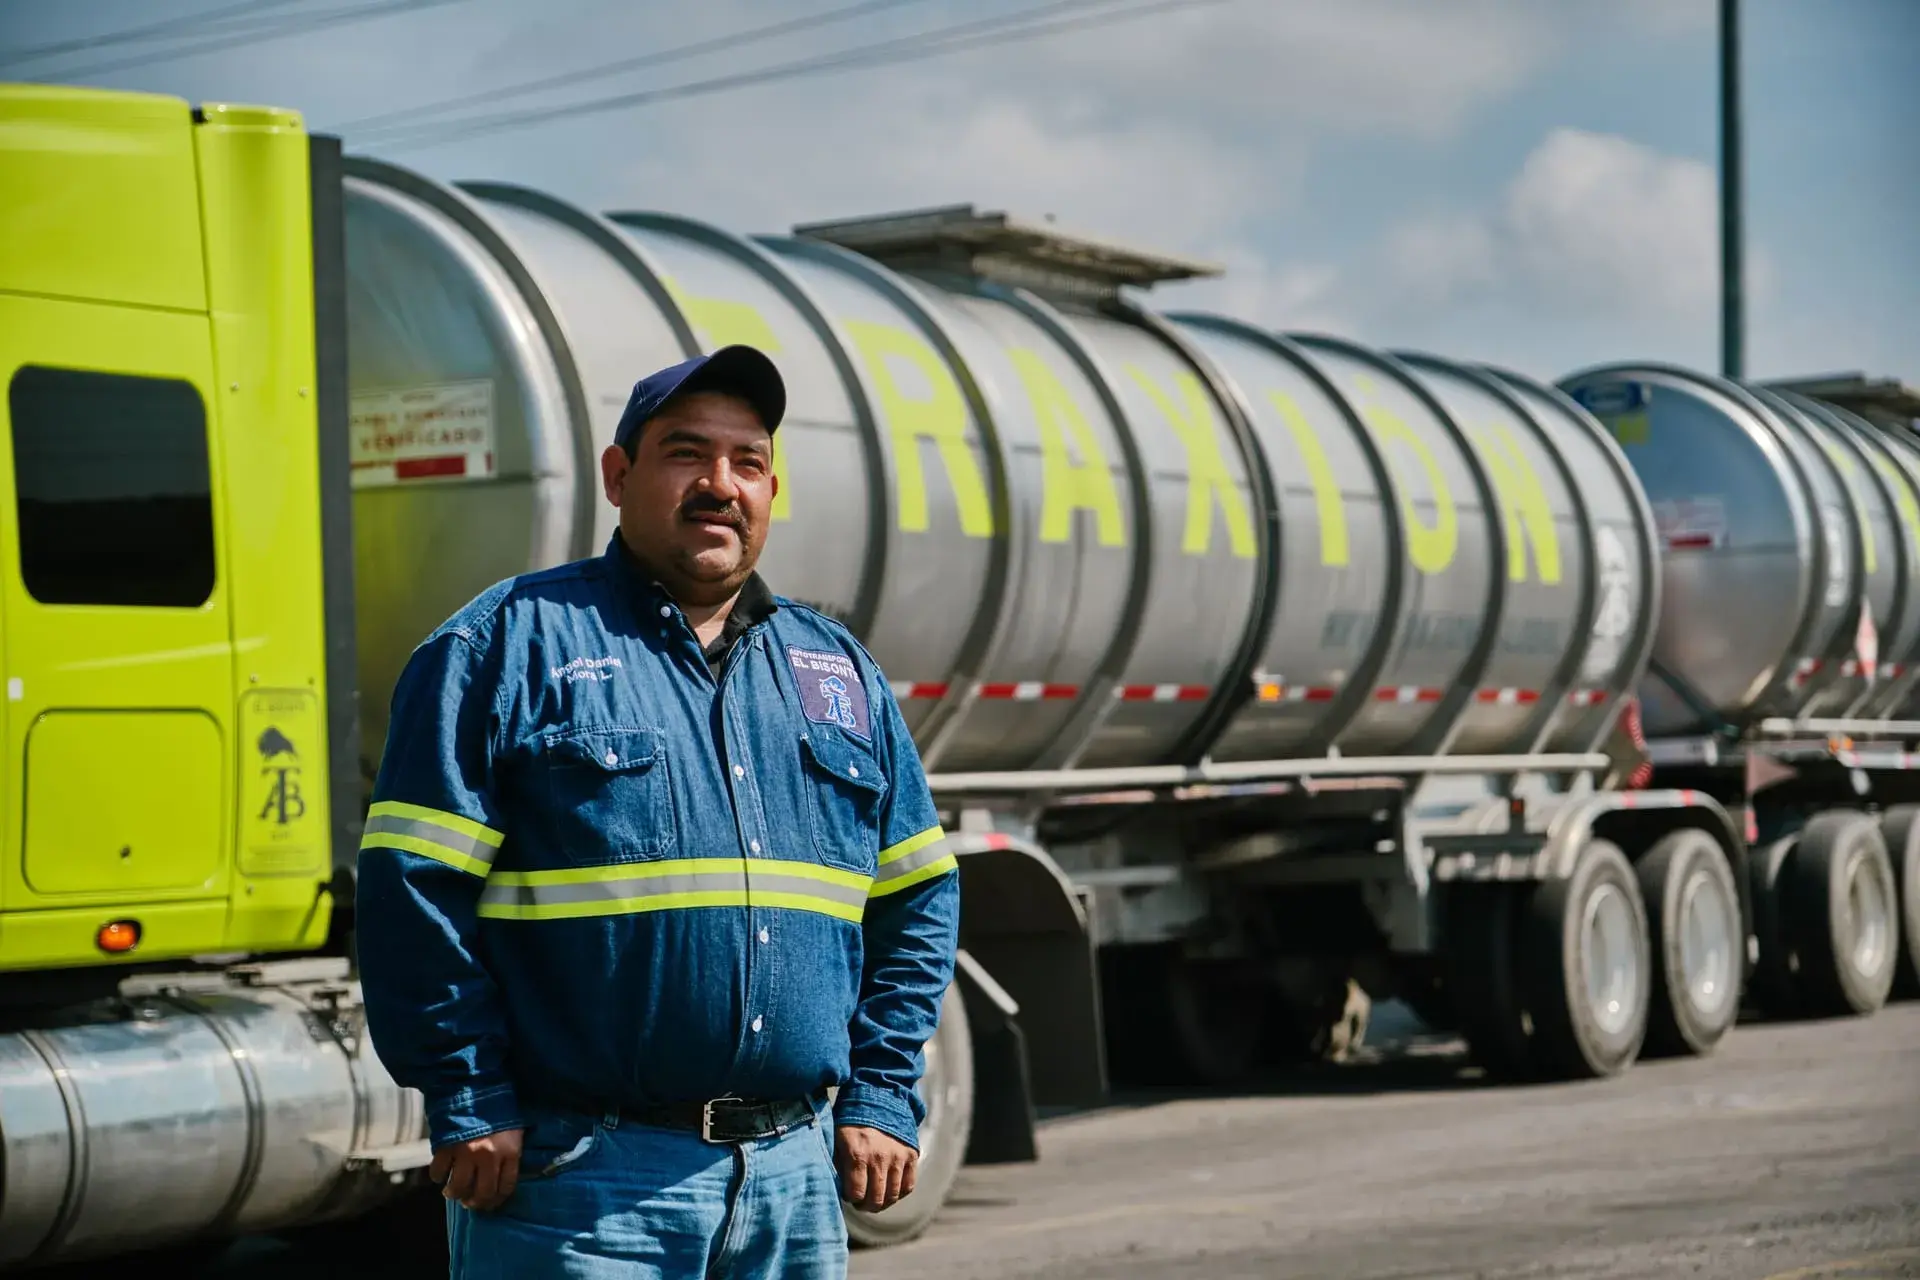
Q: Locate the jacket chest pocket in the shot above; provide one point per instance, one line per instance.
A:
(609, 795)
(844, 787)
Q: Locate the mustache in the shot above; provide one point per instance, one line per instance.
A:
(707, 505)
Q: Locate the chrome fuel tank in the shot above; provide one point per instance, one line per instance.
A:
(230, 1109)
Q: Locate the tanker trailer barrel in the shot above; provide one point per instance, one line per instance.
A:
(1788, 539)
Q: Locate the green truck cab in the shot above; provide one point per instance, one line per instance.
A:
(171, 726)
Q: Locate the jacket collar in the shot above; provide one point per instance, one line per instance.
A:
(755, 603)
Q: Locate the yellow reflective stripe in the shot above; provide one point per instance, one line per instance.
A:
(428, 849)
(938, 867)
(440, 818)
(911, 861)
(912, 844)
(447, 838)
(681, 867)
(675, 883)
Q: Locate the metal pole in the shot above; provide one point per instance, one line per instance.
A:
(1732, 300)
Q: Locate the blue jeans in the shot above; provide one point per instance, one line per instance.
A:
(603, 1199)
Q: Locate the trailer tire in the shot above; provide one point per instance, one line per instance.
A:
(1172, 1019)
(1775, 989)
(1900, 827)
(1695, 940)
(1842, 921)
(1480, 974)
(1587, 978)
(943, 1138)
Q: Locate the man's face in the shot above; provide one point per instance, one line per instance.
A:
(694, 501)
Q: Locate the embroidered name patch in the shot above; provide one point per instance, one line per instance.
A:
(831, 691)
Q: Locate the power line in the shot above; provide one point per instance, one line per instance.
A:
(926, 44)
(133, 35)
(387, 119)
(292, 25)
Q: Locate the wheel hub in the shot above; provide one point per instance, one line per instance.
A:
(1612, 967)
(1706, 942)
(1871, 907)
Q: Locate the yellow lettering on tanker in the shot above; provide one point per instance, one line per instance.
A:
(1208, 479)
(1326, 489)
(1903, 499)
(1523, 503)
(1850, 475)
(1067, 486)
(1431, 547)
(721, 322)
(940, 417)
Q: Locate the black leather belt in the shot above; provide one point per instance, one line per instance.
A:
(727, 1119)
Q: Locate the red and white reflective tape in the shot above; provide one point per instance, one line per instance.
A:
(1162, 692)
(1891, 669)
(1270, 692)
(1587, 697)
(1027, 691)
(1803, 671)
(1507, 697)
(911, 690)
(1406, 693)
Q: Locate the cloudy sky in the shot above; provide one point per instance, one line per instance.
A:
(1526, 181)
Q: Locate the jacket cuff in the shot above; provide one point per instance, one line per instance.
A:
(874, 1107)
(472, 1113)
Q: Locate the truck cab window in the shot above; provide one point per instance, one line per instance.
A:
(112, 487)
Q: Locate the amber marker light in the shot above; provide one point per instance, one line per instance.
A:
(118, 937)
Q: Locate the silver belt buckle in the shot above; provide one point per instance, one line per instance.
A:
(706, 1115)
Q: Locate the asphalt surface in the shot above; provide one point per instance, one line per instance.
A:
(1793, 1151)
(1791, 1154)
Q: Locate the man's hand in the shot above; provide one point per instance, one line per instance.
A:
(876, 1169)
(481, 1172)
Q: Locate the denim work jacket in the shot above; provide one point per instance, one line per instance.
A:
(594, 876)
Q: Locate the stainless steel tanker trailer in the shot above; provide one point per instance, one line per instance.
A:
(1258, 675)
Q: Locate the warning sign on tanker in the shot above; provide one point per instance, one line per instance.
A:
(1691, 524)
(408, 434)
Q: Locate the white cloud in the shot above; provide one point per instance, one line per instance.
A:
(1594, 238)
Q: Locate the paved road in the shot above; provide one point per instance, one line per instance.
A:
(1792, 1153)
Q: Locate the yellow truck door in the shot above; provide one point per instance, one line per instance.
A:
(119, 660)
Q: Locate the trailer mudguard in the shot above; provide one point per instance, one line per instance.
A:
(1634, 820)
(1025, 929)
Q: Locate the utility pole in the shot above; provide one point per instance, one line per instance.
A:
(1732, 294)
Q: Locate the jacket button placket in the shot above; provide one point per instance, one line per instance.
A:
(750, 822)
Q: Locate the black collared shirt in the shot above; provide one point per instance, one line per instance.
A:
(755, 603)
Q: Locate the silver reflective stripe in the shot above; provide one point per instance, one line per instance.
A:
(541, 895)
(743, 885)
(912, 862)
(433, 833)
(773, 882)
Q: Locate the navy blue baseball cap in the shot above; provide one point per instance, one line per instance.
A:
(737, 370)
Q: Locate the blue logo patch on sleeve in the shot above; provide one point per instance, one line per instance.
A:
(831, 691)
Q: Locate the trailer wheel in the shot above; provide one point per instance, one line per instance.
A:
(1775, 989)
(1900, 827)
(946, 1086)
(1586, 979)
(1843, 918)
(1175, 1020)
(1480, 974)
(1696, 942)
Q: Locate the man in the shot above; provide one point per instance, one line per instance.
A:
(651, 865)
